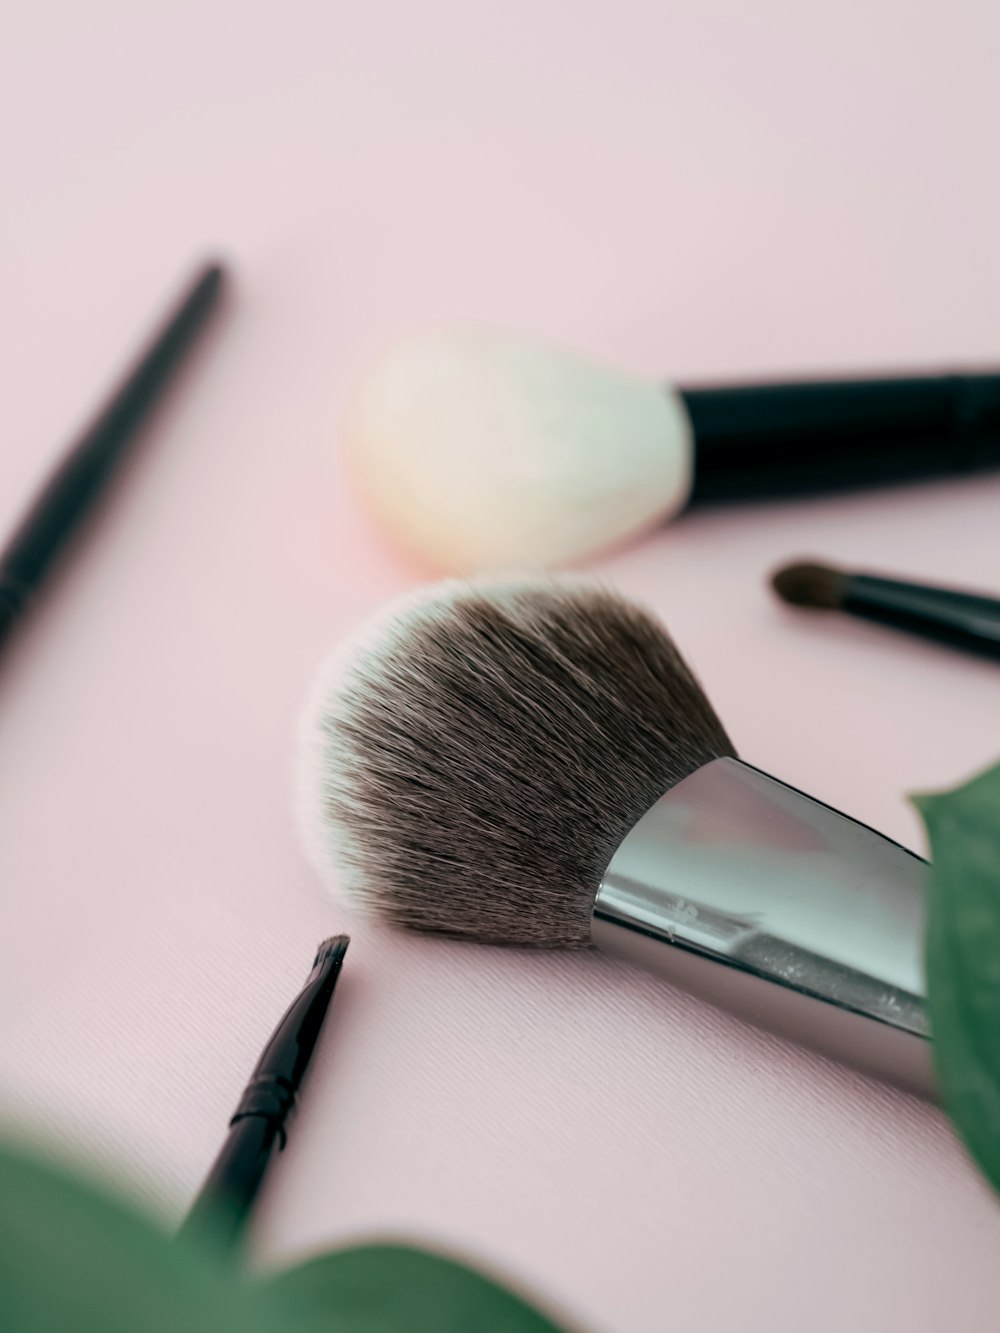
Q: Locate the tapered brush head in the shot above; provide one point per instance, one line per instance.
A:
(335, 947)
(811, 584)
(482, 452)
(472, 767)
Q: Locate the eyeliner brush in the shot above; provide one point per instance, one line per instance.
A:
(966, 620)
(79, 480)
(259, 1125)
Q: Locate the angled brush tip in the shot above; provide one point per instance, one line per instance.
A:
(809, 583)
(335, 947)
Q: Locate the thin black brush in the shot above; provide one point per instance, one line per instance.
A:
(259, 1125)
(79, 480)
(966, 620)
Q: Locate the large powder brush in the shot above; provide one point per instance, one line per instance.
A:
(532, 763)
(482, 452)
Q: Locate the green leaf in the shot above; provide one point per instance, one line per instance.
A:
(73, 1259)
(963, 960)
(396, 1289)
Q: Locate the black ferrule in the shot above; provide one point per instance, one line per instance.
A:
(268, 1097)
(959, 619)
(769, 440)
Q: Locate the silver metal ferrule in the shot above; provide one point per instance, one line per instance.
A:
(783, 911)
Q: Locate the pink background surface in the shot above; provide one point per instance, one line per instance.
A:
(687, 188)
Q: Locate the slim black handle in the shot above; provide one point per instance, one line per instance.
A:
(219, 1213)
(961, 619)
(786, 439)
(79, 479)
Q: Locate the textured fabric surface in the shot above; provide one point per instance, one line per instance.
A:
(700, 190)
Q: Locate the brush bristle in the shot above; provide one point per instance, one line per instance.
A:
(476, 767)
(810, 584)
(485, 452)
(335, 947)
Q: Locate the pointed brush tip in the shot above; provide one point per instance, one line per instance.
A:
(808, 583)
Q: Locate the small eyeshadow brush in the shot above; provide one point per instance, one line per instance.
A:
(259, 1125)
(966, 620)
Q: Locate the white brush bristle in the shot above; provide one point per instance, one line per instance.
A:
(320, 838)
(482, 452)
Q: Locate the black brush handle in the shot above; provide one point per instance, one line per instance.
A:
(964, 620)
(760, 440)
(218, 1215)
(78, 481)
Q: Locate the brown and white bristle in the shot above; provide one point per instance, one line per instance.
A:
(472, 767)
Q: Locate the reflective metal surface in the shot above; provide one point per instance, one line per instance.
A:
(773, 905)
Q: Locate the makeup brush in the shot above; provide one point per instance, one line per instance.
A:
(484, 452)
(961, 619)
(532, 763)
(77, 483)
(259, 1125)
